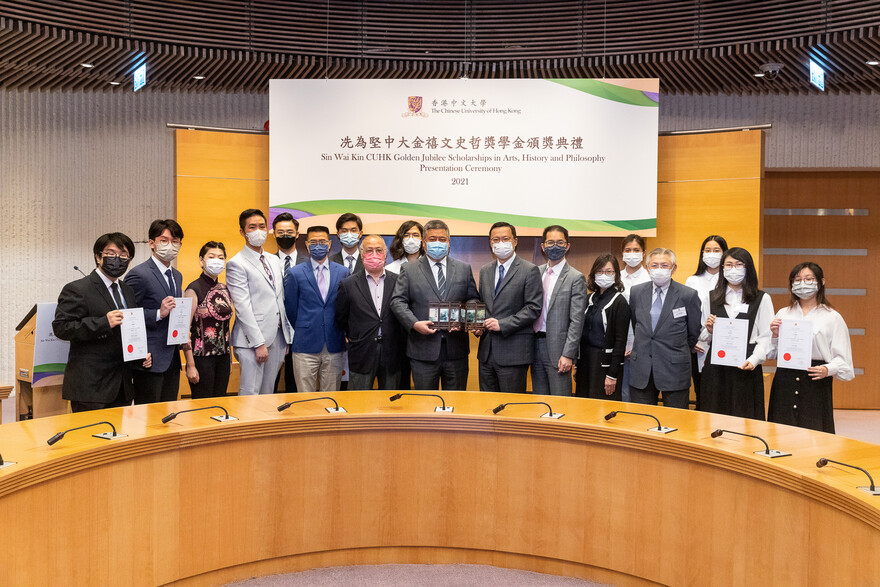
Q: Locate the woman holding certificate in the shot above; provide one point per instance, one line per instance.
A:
(738, 329)
(207, 358)
(603, 340)
(811, 342)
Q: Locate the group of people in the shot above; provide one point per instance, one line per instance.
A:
(632, 334)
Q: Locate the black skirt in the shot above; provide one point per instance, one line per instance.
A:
(732, 391)
(590, 377)
(797, 400)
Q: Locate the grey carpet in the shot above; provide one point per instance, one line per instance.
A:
(421, 575)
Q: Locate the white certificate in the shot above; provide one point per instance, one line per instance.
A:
(134, 334)
(729, 339)
(178, 321)
(795, 344)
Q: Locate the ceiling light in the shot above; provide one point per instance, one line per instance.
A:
(759, 74)
(872, 62)
(198, 77)
(115, 83)
(87, 65)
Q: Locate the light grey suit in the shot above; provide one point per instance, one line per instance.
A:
(564, 323)
(259, 309)
(505, 355)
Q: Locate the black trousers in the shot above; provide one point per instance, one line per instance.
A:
(428, 375)
(650, 395)
(504, 378)
(150, 387)
(289, 379)
(213, 376)
(122, 399)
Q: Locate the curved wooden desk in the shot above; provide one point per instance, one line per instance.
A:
(199, 502)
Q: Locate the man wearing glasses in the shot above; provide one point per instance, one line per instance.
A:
(666, 317)
(558, 328)
(156, 283)
(310, 301)
(88, 315)
(511, 289)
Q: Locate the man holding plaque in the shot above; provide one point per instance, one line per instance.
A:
(511, 289)
(437, 356)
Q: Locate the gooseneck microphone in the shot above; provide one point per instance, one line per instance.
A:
(4, 464)
(225, 418)
(549, 414)
(335, 409)
(870, 489)
(80, 270)
(104, 435)
(660, 428)
(440, 408)
(767, 452)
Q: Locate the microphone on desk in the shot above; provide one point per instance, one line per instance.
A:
(660, 428)
(4, 464)
(104, 435)
(549, 414)
(333, 410)
(225, 418)
(770, 454)
(442, 408)
(871, 489)
(80, 270)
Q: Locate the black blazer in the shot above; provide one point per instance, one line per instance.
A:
(340, 258)
(95, 369)
(617, 319)
(356, 316)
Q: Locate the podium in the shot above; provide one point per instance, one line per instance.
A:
(35, 402)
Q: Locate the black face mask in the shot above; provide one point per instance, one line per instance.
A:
(285, 242)
(114, 266)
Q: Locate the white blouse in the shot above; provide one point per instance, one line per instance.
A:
(703, 283)
(629, 280)
(830, 338)
(394, 266)
(761, 335)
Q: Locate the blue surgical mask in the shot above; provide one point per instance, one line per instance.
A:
(556, 252)
(349, 239)
(318, 252)
(437, 250)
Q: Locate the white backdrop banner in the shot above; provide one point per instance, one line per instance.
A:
(577, 152)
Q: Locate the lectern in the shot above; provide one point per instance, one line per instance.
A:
(34, 401)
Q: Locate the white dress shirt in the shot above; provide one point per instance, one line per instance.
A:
(108, 283)
(434, 269)
(830, 339)
(284, 256)
(704, 282)
(394, 266)
(635, 278)
(506, 265)
(760, 335)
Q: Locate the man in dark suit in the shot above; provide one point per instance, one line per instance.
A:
(156, 283)
(666, 318)
(286, 229)
(88, 315)
(310, 291)
(363, 312)
(435, 355)
(512, 291)
(349, 229)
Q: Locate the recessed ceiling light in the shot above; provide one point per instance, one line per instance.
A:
(87, 65)
(115, 83)
(872, 62)
(759, 74)
(198, 77)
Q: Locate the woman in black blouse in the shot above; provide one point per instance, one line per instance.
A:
(603, 341)
(208, 358)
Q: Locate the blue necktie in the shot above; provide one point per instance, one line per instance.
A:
(170, 281)
(441, 281)
(656, 308)
(500, 278)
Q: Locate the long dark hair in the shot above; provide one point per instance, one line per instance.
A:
(598, 264)
(701, 265)
(749, 284)
(820, 280)
(396, 248)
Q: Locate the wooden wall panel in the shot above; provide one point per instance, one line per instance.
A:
(855, 192)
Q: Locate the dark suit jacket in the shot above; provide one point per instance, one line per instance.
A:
(665, 352)
(312, 318)
(415, 288)
(340, 258)
(617, 318)
(300, 257)
(150, 288)
(95, 369)
(516, 307)
(356, 316)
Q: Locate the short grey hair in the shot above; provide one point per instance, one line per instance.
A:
(363, 240)
(436, 225)
(662, 251)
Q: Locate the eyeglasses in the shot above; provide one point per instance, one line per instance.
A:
(286, 233)
(376, 250)
(804, 281)
(321, 242)
(501, 239)
(739, 265)
(660, 266)
(165, 241)
(555, 243)
(112, 255)
(610, 272)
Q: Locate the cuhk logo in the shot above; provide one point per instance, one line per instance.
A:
(414, 103)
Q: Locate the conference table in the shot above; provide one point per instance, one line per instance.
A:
(196, 501)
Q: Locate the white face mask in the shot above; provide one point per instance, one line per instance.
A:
(805, 290)
(412, 245)
(734, 275)
(633, 259)
(503, 250)
(660, 277)
(214, 267)
(256, 238)
(167, 251)
(603, 281)
(712, 260)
